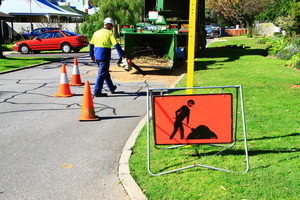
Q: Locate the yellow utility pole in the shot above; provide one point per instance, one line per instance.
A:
(191, 45)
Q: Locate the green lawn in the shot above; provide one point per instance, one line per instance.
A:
(273, 128)
(11, 63)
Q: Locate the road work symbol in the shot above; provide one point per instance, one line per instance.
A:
(193, 119)
(181, 114)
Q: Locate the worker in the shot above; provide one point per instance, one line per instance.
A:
(100, 51)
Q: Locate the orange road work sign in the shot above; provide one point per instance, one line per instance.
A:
(193, 119)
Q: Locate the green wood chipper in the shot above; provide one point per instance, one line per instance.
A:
(161, 38)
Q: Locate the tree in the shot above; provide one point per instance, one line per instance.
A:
(241, 12)
(122, 11)
(284, 13)
(1, 53)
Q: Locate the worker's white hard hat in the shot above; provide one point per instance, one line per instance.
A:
(108, 20)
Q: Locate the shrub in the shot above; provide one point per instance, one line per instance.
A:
(288, 52)
(294, 61)
(277, 44)
(265, 40)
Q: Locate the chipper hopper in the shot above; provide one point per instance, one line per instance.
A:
(162, 38)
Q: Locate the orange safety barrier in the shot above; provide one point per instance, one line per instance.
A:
(88, 111)
(76, 80)
(64, 87)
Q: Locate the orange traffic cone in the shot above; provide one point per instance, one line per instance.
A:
(64, 88)
(87, 111)
(76, 80)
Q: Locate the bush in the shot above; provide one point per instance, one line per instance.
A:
(288, 52)
(278, 44)
(265, 40)
(286, 48)
(294, 61)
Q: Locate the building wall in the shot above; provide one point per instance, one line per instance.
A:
(266, 29)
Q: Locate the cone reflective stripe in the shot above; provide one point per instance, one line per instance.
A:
(64, 87)
(76, 80)
(88, 111)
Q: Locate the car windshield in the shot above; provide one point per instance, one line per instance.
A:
(68, 33)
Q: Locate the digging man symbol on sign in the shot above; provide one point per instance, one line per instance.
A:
(181, 114)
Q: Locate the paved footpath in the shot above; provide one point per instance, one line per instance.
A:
(46, 153)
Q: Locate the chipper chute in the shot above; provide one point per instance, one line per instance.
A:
(148, 49)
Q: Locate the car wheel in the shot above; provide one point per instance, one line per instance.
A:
(66, 47)
(24, 49)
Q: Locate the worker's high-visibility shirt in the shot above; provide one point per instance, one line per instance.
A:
(101, 44)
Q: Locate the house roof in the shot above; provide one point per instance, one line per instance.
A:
(34, 7)
(3, 15)
(74, 10)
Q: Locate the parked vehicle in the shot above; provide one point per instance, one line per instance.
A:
(37, 31)
(209, 32)
(216, 28)
(53, 40)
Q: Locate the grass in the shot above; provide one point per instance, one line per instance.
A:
(11, 63)
(273, 128)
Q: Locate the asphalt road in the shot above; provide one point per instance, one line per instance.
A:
(46, 153)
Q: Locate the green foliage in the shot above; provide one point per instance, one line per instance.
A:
(284, 13)
(7, 47)
(294, 61)
(122, 12)
(288, 23)
(284, 48)
(277, 44)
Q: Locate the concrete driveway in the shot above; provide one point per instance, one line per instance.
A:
(46, 153)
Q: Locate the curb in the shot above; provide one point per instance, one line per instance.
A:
(132, 188)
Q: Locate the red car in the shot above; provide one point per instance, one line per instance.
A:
(53, 40)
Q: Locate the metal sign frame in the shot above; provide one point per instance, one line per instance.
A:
(166, 91)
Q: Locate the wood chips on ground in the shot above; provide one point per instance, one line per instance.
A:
(169, 76)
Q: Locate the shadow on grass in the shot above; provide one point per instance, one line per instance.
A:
(241, 152)
(267, 138)
(231, 54)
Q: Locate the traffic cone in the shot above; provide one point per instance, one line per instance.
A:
(87, 111)
(64, 87)
(76, 80)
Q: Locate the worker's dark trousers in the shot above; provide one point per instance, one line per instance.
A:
(103, 75)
